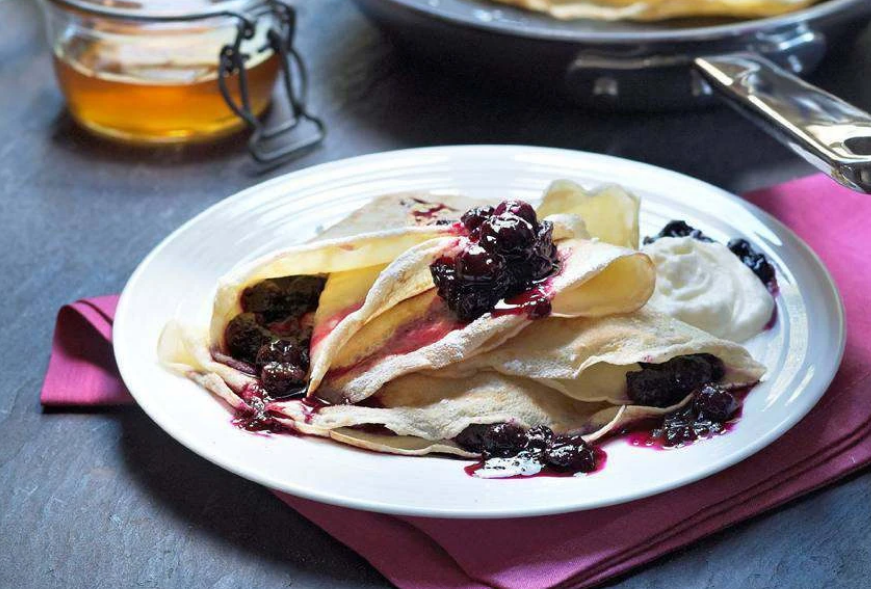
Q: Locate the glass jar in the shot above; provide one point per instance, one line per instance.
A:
(166, 71)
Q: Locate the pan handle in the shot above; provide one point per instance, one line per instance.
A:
(826, 131)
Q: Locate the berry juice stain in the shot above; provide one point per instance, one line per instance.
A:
(535, 303)
(432, 327)
(688, 424)
(425, 212)
(254, 416)
(311, 406)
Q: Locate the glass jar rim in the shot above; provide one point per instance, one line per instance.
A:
(160, 11)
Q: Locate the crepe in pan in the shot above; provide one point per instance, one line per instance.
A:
(651, 10)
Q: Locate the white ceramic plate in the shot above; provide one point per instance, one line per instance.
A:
(178, 278)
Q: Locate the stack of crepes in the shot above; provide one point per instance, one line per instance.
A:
(394, 370)
(659, 9)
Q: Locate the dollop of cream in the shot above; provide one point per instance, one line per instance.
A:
(706, 285)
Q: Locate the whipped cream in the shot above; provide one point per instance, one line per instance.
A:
(706, 285)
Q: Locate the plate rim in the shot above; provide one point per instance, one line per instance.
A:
(373, 506)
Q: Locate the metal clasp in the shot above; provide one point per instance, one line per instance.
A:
(265, 144)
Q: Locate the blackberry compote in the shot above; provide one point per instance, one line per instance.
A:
(571, 454)
(500, 439)
(271, 334)
(509, 251)
(663, 385)
(755, 260)
(707, 415)
(509, 448)
(282, 366)
(277, 299)
(244, 337)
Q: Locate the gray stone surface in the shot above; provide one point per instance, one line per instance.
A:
(104, 499)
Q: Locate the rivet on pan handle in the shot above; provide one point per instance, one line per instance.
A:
(829, 133)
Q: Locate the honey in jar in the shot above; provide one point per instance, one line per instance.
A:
(154, 83)
(137, 98)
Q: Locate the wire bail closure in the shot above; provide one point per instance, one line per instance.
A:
(294, 81)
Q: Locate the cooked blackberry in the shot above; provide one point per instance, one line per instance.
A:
(473, 218)
(753, 259)
(282, 351)
(715, 403)
(497, 440)
(279, 298)
(663, 385)
(571, 454)
(280, 379)
(244, 336)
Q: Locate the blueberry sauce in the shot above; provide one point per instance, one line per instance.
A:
(508, 252)
(665, 384)
(601, 461)
(276, 299)
(678, 228)
(756, 261)
(534, 468)
(534, 303)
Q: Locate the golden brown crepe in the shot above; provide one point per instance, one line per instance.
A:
(649, 10)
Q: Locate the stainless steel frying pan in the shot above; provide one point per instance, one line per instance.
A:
(754, 65)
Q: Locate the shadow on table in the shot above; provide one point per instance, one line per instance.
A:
(228, 151)
(235, 511)
(249, 518)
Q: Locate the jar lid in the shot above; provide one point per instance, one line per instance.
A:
(160, 9)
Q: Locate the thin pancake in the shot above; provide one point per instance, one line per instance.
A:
(403, 327)
(587, 359)
(649, 10)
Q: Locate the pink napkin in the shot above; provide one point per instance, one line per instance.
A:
(585, 548)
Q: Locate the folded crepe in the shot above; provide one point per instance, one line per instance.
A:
(648, 10)
(378, 316)
(566, 374)
(362, 243)
(394, 370)
(357, 347)
(403, 326)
